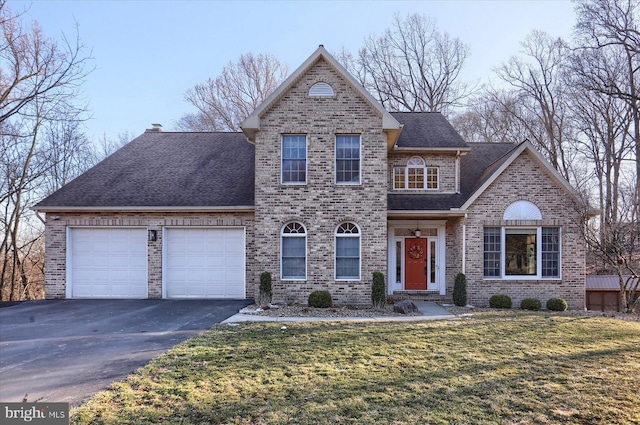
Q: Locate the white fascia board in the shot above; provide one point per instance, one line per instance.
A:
(242, 208)
(426, 213)
(461, 151)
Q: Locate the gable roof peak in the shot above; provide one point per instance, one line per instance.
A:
(251, 125)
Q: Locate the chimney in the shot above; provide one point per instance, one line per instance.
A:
(155, 128)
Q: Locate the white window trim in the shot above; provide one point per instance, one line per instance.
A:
(335, 252)
(306, 251)
(359, 161)
(503, 254)
(306, 161)
(424, 168)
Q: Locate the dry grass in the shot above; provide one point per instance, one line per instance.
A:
(491, 368)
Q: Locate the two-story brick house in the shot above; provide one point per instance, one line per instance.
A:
(322, 188)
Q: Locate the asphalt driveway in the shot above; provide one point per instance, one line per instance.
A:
(67, 350)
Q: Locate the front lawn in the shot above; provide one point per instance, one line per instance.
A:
(492, 368)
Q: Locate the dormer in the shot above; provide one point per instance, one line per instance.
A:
(426, 157)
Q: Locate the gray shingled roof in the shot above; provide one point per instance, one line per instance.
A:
(166, 169)
(474, 171)
(427, 130)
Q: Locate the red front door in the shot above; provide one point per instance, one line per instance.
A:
(415, 264)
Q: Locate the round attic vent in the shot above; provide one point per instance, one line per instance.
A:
(522, 210)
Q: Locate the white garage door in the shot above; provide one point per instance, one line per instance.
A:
(107, 263)
(204, 263)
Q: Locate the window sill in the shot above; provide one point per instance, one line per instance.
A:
(517, 278)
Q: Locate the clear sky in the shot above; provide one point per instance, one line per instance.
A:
(148, 53)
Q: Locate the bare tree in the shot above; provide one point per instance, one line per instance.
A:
(491, 117)
(412, 66)
(618, 250)
(39, 82)
(224, 102)
(604, 123)
(612, 25)
(537, 80)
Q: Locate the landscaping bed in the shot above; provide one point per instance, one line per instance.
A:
(298, 310)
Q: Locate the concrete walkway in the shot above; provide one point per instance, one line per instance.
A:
(429, 310)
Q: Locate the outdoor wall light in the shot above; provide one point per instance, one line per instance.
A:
(417, 232)
(153, 235)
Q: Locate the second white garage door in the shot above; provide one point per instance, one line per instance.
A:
(204, 263)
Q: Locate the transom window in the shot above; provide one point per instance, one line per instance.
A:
(294, 252)
(415, 176)
(294, 159)
(521, 252)
(347, 252)
(348, 159)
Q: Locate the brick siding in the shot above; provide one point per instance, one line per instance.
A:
(525, 180)
(56, 241)
(321, 205)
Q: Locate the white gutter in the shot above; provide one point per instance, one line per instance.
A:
(423, 213)
(461, 151)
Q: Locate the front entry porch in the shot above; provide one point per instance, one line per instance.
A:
(417, 257)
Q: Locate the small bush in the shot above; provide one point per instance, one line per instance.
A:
(556, 304)
(378, 297)
(265, 288)
(320, 299)
(460, 290)
(530, 304)
(500, 301)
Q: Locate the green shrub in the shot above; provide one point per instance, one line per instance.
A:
(556, 304)
(460, 290)
(320, 299)
(530, 304)
(378, 297)
(500, 301)
(265, 288)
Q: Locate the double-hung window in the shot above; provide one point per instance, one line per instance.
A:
(294, 159)
(348, 159)
(348, 252)
(294, 252)
(415, 176)
(521, 252)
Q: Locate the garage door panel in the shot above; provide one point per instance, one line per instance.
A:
(204, 263)
(108, 263)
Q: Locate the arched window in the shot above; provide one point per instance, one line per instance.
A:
(321, 90)
(294, 252)
(522, 210)
(415, 176)
(347, 252)
(522, 251)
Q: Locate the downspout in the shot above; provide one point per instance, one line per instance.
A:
(39, 217)
(457, 177)
(464, 245)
